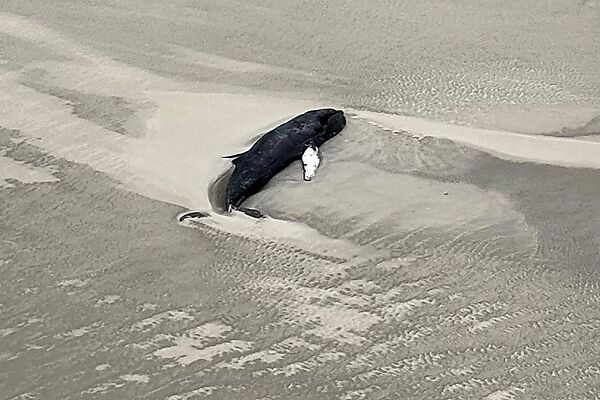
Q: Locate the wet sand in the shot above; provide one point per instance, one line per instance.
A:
(447, 248)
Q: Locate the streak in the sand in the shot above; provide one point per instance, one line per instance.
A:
(509, 145)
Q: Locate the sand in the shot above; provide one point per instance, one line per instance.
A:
(447, 247)
(572, 152)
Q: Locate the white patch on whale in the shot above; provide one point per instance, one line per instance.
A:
(310, 162)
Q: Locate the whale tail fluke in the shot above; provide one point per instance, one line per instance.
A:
(192, 214)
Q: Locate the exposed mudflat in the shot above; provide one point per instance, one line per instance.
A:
(447, 248)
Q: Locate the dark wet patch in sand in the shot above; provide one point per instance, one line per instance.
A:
(17, 53)
(113, 113)
(560, 203)
(590, 128)
(18, 165)
(15, 146)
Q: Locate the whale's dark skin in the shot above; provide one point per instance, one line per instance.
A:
(277, 149)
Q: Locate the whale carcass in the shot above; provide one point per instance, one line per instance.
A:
(277, 149)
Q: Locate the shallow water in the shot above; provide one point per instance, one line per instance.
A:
(419, 267)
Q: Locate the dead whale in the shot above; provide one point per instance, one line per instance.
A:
(277, 149)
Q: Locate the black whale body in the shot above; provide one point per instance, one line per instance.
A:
(277, 149)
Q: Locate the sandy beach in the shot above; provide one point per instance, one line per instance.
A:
(447, 248)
